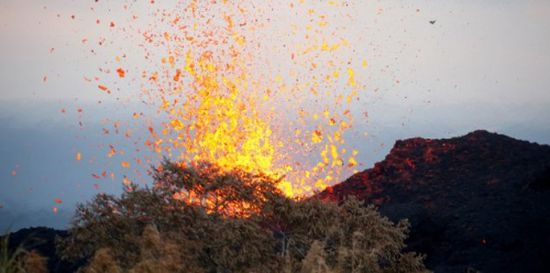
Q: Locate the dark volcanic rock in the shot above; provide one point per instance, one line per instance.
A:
(476, 202)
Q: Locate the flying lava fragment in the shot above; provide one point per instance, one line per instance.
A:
(121, 72)
(220, 88)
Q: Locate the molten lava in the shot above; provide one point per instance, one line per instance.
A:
(222, 98)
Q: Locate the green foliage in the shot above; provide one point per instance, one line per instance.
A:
(202, 219)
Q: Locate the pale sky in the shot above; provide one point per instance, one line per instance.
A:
(482, 65)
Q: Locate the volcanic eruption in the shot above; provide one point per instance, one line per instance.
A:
(221, 97)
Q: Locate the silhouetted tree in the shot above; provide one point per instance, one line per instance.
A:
(201, 218)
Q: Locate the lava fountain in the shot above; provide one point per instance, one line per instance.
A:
(222, 97)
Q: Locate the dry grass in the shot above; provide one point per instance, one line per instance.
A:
(103, 262)
(19, 260)
(315, 260)
(34, 263)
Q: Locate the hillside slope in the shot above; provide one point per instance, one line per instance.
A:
(476, 202)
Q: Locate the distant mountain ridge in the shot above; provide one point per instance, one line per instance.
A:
(476, 202)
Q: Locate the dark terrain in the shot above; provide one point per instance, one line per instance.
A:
(42, 240)
(480, 202)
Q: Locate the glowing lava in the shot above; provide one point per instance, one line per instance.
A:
(222, 99)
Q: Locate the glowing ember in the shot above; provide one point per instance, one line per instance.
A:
(222, 99)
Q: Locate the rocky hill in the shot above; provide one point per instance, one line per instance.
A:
(480, 202)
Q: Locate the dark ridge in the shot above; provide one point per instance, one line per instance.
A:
(476, 202)
(42, 240)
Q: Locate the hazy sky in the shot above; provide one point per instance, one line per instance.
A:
(483, 64)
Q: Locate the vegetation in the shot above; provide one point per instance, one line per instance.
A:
(19, 260)
(205, 220)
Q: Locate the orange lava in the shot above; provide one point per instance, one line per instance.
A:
(220, 99)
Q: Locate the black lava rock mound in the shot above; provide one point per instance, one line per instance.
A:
(476, 203)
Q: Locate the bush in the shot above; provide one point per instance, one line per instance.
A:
(203, 219)
(19, 260)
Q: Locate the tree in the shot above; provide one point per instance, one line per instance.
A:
(201, 218)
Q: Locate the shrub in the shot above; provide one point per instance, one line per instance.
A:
(19, 260)
(203, 219)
